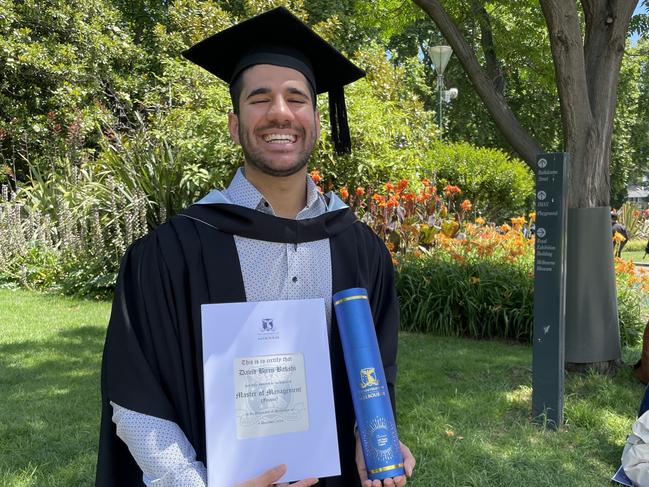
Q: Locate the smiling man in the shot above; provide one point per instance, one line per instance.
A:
(269, 236)
(275, 122)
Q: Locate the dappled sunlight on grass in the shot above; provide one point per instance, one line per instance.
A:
(465, 408)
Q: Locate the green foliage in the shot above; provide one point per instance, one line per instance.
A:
(635, 245)
(630, 142)
(632, 286)
(631, 217)
(493, 297)
(499, 187)
(149, 169)
(35, 268)
(480, 299)
(68, 232)
(63, 67)
(631, 309)
(390, 129)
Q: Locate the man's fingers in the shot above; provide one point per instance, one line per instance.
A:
(360, 465)
(305, 483)
(409, 461)
(399, 481)
(270, 476)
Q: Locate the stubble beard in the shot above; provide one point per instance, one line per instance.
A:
(261, 162)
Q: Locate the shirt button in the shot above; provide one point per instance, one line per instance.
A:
(294, 279)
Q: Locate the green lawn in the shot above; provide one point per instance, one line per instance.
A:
(50, 356)
(635, 256)
(464, 405)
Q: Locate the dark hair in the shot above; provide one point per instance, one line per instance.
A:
(236, 87)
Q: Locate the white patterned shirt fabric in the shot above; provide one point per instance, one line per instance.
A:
(271, 271)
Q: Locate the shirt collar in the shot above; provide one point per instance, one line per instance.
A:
(241, 192)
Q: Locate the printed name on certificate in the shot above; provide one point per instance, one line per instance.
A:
(270, 395)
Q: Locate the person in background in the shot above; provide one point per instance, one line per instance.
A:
(619, 229)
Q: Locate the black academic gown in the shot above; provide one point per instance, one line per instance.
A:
(152, 360)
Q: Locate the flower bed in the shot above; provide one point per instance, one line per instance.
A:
(460, 275)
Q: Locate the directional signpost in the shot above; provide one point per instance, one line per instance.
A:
(549, 290)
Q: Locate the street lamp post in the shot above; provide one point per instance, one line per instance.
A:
(440, 56)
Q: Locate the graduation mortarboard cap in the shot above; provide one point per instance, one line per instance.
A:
(278, 37)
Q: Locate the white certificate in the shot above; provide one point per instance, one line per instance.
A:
(268, 391)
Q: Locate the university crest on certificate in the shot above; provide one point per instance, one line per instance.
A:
(268, 391)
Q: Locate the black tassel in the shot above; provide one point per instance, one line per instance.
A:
(339, 127)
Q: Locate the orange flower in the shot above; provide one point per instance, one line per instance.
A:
(532, 216)
(403, 184)
(360, 191)
(618, 237)
(389, 187)
(518, 221)
(450, 190)
(466, 205)
(505, 228)
(480, 221)
(378, 197)
(393, 202)
(344, 193)
(409, 196)
(425, 182)
(316, 176)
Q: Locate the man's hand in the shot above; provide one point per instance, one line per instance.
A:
(400, 481)
(267, 478)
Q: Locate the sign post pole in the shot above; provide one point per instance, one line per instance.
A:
(549, 290)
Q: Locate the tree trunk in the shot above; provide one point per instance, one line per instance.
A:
(587, 72)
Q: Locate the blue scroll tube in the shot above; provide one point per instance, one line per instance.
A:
(376, 426)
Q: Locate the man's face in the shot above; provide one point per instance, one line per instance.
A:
(277, 125)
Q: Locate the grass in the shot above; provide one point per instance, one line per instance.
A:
(635, 256)
(464, 405)
(635, 250)
(50, 356)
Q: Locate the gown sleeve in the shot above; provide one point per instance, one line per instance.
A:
(141, 345)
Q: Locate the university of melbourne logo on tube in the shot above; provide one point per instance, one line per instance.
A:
(368, 378)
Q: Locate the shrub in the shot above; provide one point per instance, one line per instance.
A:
(479, 286)
(635, 245)
(632, 291)
(488, 293)
(149, 169)
(61, 236)
(498, 186)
